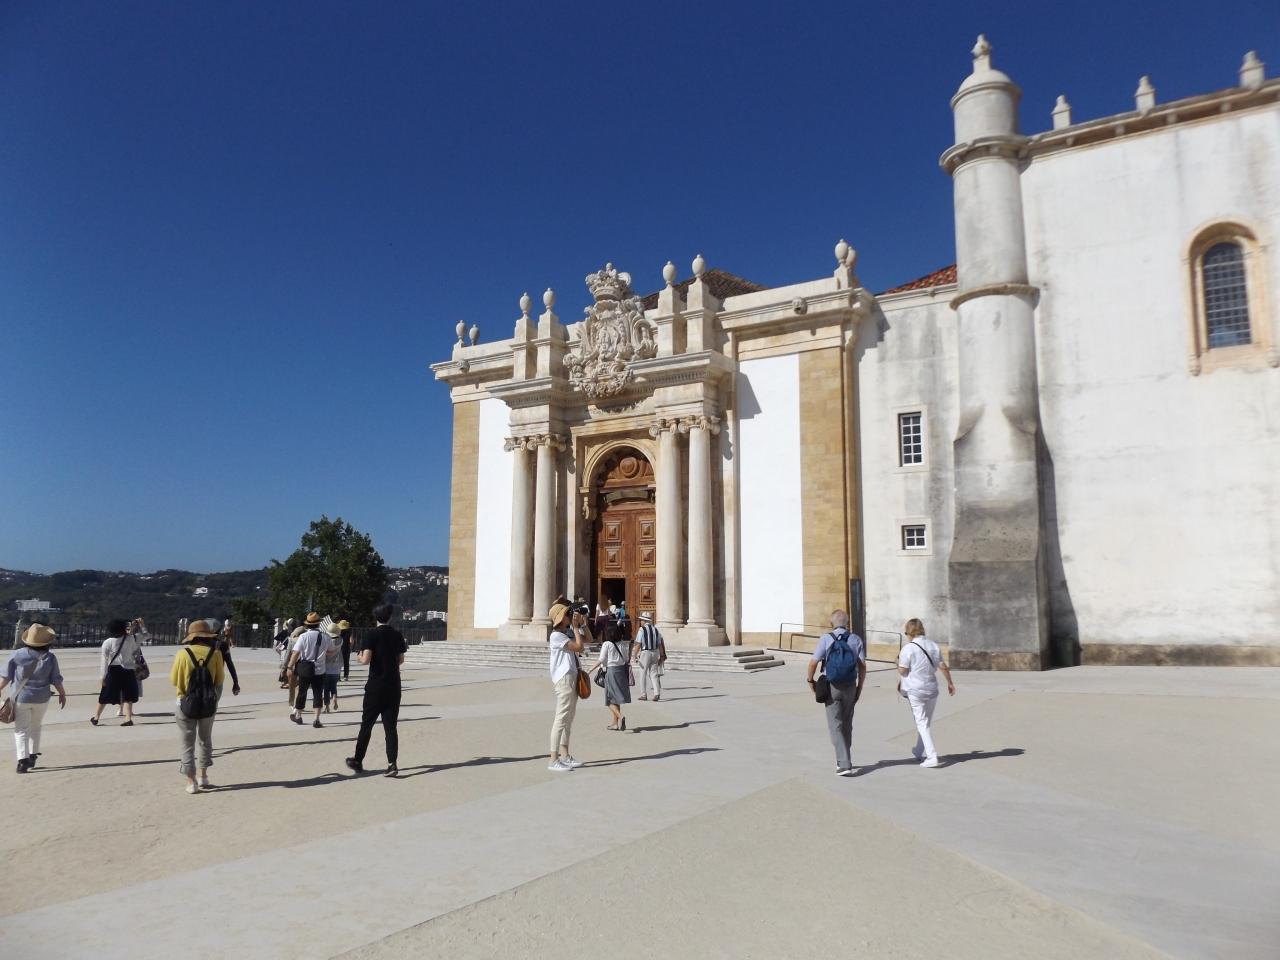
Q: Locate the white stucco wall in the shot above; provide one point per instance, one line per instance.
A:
(768, 392)
(493, 517)
(1167, 484)
(906, 362)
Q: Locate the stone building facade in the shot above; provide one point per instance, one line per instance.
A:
(1064, 448)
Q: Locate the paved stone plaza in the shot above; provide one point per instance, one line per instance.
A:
(1099, 812)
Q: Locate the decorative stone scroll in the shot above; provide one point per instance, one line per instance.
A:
(533, 441)
(613, 334)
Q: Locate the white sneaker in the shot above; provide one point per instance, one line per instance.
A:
(846, 772)
(931, 762)
(559, 766)
(192, 788)
(574, 764)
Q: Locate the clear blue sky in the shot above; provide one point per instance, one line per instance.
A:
(234, 234)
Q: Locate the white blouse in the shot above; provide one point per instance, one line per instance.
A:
(130, 651)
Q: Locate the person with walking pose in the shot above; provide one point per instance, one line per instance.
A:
(332, 668)
(650, 654)
(918, 666)
(120, 654)
(197, 674)
(345, 627)
(32, 669)
(617, 676)
(306, 666)
(567, 640)
(843, 659)
(383, 653)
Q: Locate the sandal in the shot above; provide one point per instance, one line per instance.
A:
(611, 727)
(94, 721)
(127, 723)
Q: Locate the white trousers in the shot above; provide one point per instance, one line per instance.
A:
(922, 710)
(27, 720)
(566, 707)
(650, 668)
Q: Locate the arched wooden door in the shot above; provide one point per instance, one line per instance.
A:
(625, 559)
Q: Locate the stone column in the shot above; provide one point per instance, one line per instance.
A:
(544, 530)
(669, 508)
(702, 609)
(521, 532)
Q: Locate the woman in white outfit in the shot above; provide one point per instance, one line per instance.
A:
(918, 664)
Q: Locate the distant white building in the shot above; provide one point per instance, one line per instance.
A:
(440, 615)
(33, 605)
(201, 592)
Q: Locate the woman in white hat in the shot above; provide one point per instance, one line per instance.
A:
(332, 667)
(32, 669)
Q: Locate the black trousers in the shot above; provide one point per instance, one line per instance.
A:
(346, 658)
(316, 686)
(385, 704)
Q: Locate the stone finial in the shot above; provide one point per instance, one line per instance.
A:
(981, 55)
(1061, 113)
(669, 273)
(699, 266)
(548, 298)
(851, 258)
(461, 330)
(1251, 71)
(841, 251)
(473, 334)
(1144, 98)
(526, 304)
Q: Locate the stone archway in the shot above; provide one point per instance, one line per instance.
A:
(623, 552)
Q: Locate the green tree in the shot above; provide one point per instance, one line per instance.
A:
(246, 611)
(336, 570)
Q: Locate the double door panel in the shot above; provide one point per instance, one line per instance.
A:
(627, 557)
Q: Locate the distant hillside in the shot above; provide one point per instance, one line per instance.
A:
(168, 595)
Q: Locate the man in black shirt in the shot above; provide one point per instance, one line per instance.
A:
(383, 653)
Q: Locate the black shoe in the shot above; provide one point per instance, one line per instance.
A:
(392, 771)
(623, 724)
(31, 761)
(297, 720)
(24, 766)
(354, 764)
(316, 723)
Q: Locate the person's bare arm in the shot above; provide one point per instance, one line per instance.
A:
(946, 672)
(903, 671)
(62, 695)
(366, 656)
(401, 661)
(293, 658)
(862, 678)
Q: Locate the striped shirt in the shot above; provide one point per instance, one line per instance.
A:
(649, 637)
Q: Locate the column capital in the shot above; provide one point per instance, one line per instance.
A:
(664, 425)
(535, 440)
(708, 423)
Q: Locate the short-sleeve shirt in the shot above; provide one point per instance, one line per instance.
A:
(313, 645)
(824, 644)
(385, 645)
(39, 670)
(562, 660)
(922, 680)
(615, 653)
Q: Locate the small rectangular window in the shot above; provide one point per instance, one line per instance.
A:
(910, 439)
(913, 537)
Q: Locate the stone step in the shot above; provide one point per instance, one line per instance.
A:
(531, 656)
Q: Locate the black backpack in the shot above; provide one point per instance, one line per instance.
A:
(201, 699)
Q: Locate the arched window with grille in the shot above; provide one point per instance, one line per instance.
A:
(1229, 322)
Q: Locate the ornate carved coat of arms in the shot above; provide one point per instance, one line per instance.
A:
(613, 334)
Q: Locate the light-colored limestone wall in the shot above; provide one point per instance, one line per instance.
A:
(462, 521)
(493, 516)
(1166, 485)
(906, 362)
(823, 440)
(770, 518)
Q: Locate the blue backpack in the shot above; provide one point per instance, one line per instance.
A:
(841, 663)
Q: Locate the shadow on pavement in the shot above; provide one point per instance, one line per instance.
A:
(688, 752)
(418, 771)
(669, 726)
(945, 759)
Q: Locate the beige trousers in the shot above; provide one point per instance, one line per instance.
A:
(566, 707)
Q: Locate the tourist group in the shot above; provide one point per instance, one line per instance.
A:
(315, 653)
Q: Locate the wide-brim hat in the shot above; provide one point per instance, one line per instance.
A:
(334, 631)
(38, 635)
(203, 629)
(344, 625)
(646, 616)
(313, 620)
(557, 612)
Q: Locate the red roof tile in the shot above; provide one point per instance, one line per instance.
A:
(936, 279)
(722, 284)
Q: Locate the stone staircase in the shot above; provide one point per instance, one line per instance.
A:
(534, 657)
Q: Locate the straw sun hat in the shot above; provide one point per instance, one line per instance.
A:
(197, 629)
(38, 635)
(313, 620)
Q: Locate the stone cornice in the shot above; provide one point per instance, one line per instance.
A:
(682, 368)
(1188, 110)
(558, 442)
(815, 309)
(551, 391)
(1007, 146)
(994, 289)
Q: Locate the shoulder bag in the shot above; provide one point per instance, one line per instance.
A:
(901, 692)
(584, 681)
(305, 669)
(140, 668)
(10, 705)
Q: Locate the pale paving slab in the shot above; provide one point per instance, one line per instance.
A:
(492, 826)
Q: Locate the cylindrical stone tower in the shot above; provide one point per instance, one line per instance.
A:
(998, 611)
